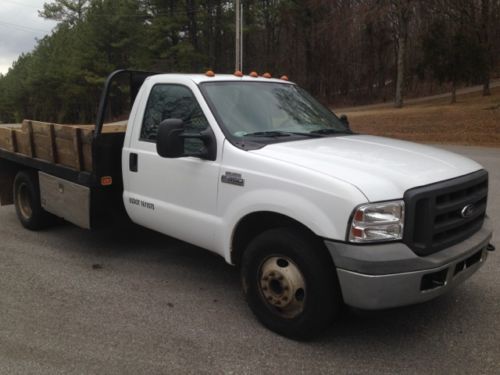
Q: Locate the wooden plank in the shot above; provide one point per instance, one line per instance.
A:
(114, 129)
(31, 145)
(65, 152)
(22, 142)
(52, 144)
(43, 141)
(77, 146)
(24, 125)
(64, 131)
(13, 140)
(6, 139)
(87, 156)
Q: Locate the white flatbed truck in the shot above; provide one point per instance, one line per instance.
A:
(255, 170)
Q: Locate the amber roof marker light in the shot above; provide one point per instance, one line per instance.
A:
(238, 73)
(210, 73)
(254, 74)
(267, 75)
(284, 78)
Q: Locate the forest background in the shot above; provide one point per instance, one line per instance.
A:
(345, 52)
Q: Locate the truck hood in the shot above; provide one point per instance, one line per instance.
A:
(382, 168)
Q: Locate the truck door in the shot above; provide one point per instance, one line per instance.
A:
(176, 196)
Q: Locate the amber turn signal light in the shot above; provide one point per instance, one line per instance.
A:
(106, 180)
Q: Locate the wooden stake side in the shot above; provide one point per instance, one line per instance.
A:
(52, 144)
(31, 144)
(13, 140)
(77, 144)
(67, 145)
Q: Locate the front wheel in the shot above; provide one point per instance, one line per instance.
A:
(290, 283)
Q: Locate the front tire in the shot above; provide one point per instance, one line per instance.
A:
(27, 202)
(290, 283)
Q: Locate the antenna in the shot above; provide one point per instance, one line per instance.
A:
(238, 10)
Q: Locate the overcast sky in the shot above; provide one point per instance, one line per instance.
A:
(20, 26)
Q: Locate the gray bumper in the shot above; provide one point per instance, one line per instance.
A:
(389, 275)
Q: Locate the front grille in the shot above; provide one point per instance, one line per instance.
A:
(436, 214)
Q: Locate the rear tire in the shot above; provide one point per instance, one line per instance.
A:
(27, 202)
(290, 283)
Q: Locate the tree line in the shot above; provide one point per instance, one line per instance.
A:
(342, 51)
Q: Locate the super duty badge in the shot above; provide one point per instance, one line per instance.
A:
(233, 179)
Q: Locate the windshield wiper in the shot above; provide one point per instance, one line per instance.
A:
(279, 133)
(329, 131)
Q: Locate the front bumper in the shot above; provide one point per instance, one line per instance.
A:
(388, 275)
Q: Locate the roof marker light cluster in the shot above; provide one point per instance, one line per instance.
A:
(253, 74)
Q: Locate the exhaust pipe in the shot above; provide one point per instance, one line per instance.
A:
(490, 247)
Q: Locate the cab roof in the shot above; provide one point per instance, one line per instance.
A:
(200, 78)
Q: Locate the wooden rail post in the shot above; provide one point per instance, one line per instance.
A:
(52, 144)
(77, 144)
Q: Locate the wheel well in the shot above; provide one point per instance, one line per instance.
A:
(8, 172)
(256, 223)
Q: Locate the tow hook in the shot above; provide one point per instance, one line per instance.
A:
(490, 247)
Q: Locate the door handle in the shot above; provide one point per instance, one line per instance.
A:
(133, 162)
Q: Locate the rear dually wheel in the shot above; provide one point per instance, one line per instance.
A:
(27, 201)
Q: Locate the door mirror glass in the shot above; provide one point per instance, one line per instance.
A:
(174, 142)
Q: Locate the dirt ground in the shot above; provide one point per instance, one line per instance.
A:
(474, 120)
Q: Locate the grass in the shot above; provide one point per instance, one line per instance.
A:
(474, 120)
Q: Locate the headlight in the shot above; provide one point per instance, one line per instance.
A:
(374, 222)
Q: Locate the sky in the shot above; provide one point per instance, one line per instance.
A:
(20, 26)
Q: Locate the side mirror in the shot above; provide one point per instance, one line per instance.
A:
(171, 138)
(344, 120)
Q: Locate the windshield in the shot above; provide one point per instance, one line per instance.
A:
(269, 110)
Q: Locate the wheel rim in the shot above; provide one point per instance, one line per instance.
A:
(282, 286)
(24, 201)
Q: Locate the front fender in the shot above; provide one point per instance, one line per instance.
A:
(326, 220)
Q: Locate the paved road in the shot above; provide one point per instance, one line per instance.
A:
(135, 302)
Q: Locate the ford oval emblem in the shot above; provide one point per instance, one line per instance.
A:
(468, 210)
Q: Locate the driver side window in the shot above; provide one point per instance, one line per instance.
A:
(168, 101)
